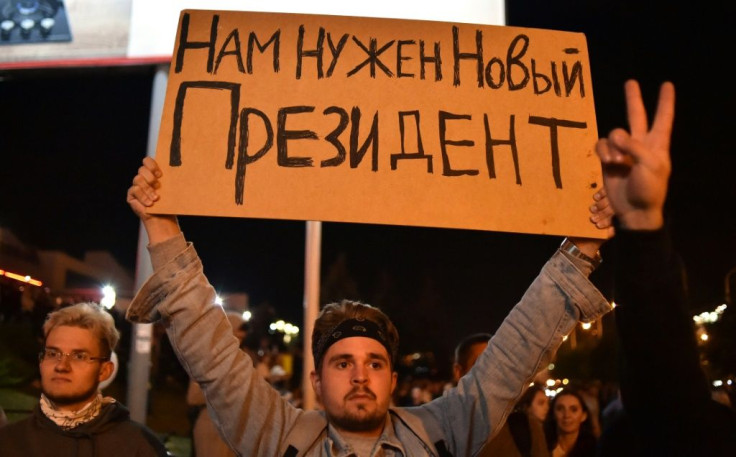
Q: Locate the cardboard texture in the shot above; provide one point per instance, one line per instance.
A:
(401, 122)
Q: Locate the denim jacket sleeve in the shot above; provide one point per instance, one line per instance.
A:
(526, 341)
(251, 415)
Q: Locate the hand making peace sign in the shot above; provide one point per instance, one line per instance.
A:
(636, 165)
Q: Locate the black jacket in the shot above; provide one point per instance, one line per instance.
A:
(665, 393)
(112, 433)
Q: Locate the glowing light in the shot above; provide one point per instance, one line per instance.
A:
(565, 381)
(551, 382)
(586, 325)
(21, 278)
(108, 297)
(709, 317)
(551, 366)
(284, 327)
(564, 338)
(613, 304)
(717, 383)
(247, 315)
(291, 329)
(704, 337)
(219, 301)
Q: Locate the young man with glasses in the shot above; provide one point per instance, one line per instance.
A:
(72, 417)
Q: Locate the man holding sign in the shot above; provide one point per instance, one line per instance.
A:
(355, 348)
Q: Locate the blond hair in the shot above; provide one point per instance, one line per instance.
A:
(90, 316)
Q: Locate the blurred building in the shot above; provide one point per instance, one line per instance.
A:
(62, 276)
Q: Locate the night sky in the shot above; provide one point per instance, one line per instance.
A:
(71, 141)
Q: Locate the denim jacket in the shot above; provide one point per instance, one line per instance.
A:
(256, 421)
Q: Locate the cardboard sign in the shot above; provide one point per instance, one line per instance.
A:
(402, 122)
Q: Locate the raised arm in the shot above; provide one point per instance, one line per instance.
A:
(251, 416)
(655, 330)
(526, 341)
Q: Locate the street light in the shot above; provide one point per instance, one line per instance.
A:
(108, 297)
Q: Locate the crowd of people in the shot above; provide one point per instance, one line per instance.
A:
(544, 422)
(491, 407)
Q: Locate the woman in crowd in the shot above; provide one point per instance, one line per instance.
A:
(568, 428)
(534, 402)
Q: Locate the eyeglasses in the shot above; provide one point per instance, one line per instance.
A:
(48, 355)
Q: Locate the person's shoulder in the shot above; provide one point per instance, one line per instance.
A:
(128, 429)
(132, 430)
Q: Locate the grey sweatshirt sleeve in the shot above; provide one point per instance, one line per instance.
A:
(252, 416)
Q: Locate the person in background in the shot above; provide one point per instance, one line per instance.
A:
(522, 435)
(590, 390)
(568, 426)
(535, 403)
(72, 417)
(668, 409)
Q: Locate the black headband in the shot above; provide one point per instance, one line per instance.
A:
(349, 328)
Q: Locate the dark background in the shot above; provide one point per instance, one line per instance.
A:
(71, 140)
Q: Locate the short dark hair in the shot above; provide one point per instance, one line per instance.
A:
(334, 314)
(462, 350)
(525, 402)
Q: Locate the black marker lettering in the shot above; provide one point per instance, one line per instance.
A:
(185, 44)
(400, 58)
(243, 158)
(175, 148)
(447, 170)
(301, 53)
(513, 60)
(283, 135)
(372, 58)
(477, 55)
(234, 36)
(491, 142)
(553, 125)
(420, 148)
(576, 75)
(437, 60)
(357, 153)
(275, 40)
(332, 137)
(335, 50)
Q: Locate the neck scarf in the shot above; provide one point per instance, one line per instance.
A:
(68, 420)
